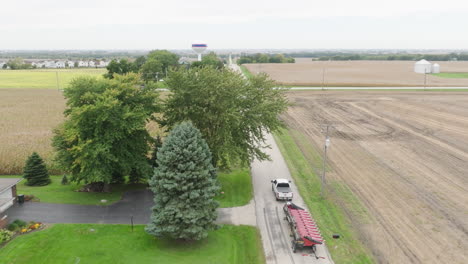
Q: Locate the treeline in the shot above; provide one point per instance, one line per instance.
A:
(71, 55)
(265, 58)
(155, 65)
(17, 64)
(324, 56)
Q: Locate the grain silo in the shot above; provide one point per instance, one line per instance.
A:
(423, 66)
(435, 68)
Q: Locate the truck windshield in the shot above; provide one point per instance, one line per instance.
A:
(283, 185)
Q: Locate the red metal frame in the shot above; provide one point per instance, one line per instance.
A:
(305, 225)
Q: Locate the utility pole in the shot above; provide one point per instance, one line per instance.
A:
(425, 77)
(57, 78)
(323, 79)
(327, 144)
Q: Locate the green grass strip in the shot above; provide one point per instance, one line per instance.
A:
(77, 243)
(303, 163)
(237, 188)
(246, 72)
(452, 74)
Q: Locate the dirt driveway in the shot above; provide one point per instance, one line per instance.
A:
(404, 155)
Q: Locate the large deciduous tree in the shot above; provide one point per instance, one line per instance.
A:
(184, 184)
(104, 135)
(166, 58)
(152, 70)
(232, 112)
(122, 66)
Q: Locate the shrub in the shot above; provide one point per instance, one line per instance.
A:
(64, 180)
(19, 223)
(5, 235)
(13, 227)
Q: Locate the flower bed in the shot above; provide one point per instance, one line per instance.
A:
(16, 228)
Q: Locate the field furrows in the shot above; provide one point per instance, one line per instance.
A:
(405, 157)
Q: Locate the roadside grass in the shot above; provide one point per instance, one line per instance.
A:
(67, 194)
(330, 217)
(44, 78)
(452, 74)
(246, 72)
(76, 243)
(237, 188)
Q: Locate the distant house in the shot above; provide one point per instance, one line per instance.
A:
(91, 64)
(7, 197)
(70, 64)
(50, 64)
(60, 64)
(103, 64)
(83, 64)
(1, 64)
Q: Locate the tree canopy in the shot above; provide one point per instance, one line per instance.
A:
(104, 133)
(121, 67)
(184, 185)
(166, 58)
(231, 112)
(211, 59)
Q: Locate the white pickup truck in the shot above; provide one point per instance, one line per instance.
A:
(282, 189)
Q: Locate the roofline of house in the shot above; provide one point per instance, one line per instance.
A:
(9, 186)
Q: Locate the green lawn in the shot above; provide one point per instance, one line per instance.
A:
(330, 218)
(237, 188)
(75, 243)
(66, 194)
(44, 78)
(236, 185)
(452, 74)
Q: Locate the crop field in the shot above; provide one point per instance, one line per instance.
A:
(43, 78)
(404, 157)
(27, 119)
(306, 72)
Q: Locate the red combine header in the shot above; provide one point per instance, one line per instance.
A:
(305, 231)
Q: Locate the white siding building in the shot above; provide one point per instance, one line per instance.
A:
(83, 64)
(60, 64)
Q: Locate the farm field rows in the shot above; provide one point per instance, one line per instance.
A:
(44, 78)
(404, 155)
(306, 72)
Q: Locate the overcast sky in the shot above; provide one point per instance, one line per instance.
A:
(237, 24)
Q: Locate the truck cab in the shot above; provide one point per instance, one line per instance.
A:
(282, 189)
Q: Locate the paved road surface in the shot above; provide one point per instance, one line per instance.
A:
(270, 216)
(136, 203)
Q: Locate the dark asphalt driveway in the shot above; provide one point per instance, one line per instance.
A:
(136, 203)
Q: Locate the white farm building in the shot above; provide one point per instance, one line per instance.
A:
(423, 66)
(435, 68)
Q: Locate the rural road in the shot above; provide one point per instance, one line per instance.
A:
(270, 216)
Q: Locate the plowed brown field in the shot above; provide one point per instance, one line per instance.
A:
(405, 157)
(306, 72)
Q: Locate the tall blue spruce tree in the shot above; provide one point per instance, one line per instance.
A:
(184, 184)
